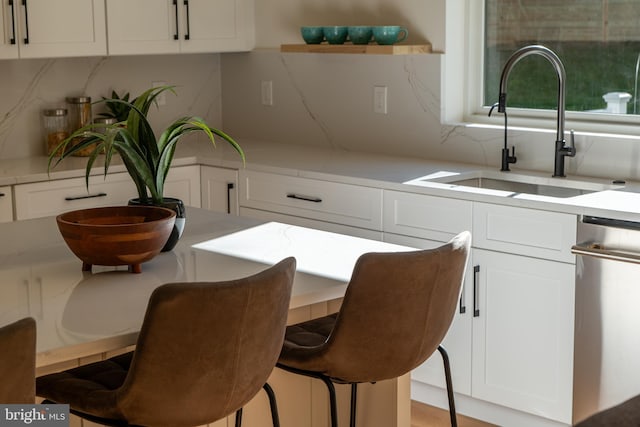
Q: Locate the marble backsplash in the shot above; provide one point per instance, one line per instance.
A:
(319, 100)
(326, 100)
(29, 85)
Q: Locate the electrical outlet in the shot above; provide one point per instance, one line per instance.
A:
(380, 99)
(266, 92)
(160, 99)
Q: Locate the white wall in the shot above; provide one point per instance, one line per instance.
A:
(327, 99)
(27, 86)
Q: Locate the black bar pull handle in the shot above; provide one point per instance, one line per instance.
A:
(175, 6)
(13, 23)
(230, 187)
(26, 22)
(2, 194)
(305, 198)
(463, 305)
(88, 196)
(476, 309)
(187, 34)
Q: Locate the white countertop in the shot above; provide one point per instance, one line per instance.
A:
(366, 169)
(80, 314)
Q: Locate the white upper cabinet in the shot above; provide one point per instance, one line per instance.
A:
(46, 28)
(179, 26)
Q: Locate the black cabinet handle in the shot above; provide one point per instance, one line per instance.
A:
(175, 6)
(187, 35)
(476, 310)
(26, 22)
(305, 198)
(13, 23)
(463, 305)
(2, 194)
(88, 196)
(230, 187)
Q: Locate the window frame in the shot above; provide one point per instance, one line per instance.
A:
(526, 118)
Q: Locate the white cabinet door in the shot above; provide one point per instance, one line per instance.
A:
(523, 333)
(173, 26)
(6, 204)
(426, 222)
(219, 188)
(183, 183)
(217, 25)
(457, 342)
(60, 28)
(142, 26)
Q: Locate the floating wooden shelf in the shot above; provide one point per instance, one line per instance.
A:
(396, 49)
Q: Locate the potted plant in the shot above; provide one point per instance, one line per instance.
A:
(146, 158)
(116, 109)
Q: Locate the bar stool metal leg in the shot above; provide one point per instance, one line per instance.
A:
(354, 399)
(275, 418)
(447, 374)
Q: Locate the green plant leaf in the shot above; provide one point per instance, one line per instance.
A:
(147, 159)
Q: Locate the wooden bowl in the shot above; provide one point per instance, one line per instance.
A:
(116, 235)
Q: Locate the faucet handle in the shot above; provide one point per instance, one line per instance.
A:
(571, 149)
(506, 158)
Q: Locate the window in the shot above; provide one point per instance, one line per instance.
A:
(598, 42)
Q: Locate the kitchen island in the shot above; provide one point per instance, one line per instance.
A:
(82, 316)
(404, 201)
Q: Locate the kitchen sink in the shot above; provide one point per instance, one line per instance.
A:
(524, 184)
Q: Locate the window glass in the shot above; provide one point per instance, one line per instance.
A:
(598, 42)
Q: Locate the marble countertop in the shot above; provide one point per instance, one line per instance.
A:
(81, 313)
(380, 171)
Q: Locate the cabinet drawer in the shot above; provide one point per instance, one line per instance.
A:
(325, 201)
(426, 217)
(47, 198)
(539, 234)
(6, 204)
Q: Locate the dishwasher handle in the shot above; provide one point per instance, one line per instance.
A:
(597, 251)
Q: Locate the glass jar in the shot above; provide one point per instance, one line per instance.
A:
(79, 116)
(56, 130)
(102, 123)
(79, 112)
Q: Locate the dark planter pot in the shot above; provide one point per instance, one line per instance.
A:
(175, 205)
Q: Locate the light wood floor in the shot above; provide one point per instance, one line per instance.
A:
(427, 416)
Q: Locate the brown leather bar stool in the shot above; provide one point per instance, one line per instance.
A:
(204, 351)
(625, 414)
(396, 311)
(18, 362)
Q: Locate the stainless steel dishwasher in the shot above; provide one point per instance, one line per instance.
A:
(607, 336)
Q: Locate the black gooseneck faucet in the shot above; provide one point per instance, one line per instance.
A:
(561, 149)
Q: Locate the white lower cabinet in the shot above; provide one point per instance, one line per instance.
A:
(523, 333)
(457, 342)
(6, 204)
(46, 198)
(350, 209)
(219, 189)
(512, 347)
(426, 222)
